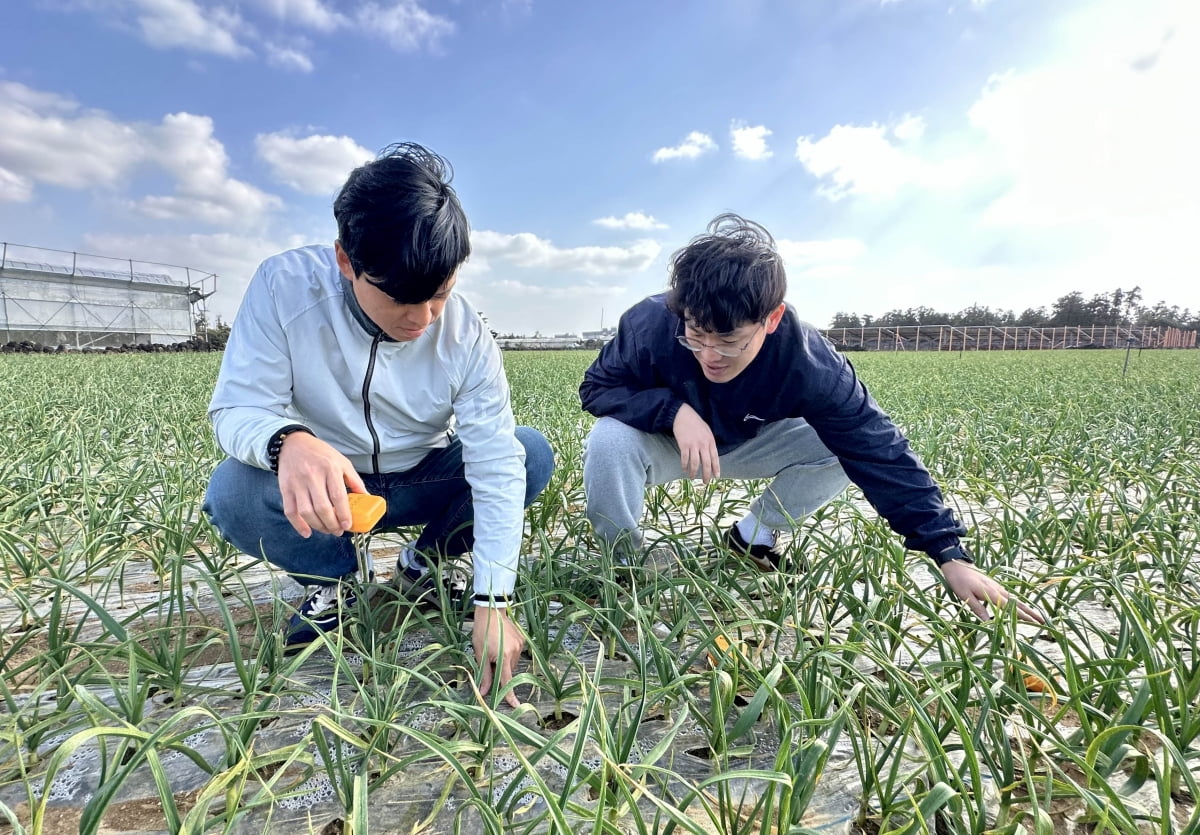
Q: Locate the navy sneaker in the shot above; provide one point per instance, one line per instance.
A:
(324, 611)
(763, 557)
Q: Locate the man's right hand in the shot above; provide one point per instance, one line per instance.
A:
(697, 446)
(314, 478)
(498, 643)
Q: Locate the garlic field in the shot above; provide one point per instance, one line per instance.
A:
(143, 686)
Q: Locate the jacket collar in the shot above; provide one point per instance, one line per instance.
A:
(373, 330)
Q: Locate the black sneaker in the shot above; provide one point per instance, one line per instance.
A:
(763, 557)
(660, 562)
(422, 586)
(324, 611)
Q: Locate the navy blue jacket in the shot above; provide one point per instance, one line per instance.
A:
(644, 375)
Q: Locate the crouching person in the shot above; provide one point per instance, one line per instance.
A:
(719, 378)
(357, 367)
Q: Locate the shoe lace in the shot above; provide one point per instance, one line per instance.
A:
(323, 599)
(760, 548)
(418, 578)
(456, 583)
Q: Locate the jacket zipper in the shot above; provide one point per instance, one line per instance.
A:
(366, 396)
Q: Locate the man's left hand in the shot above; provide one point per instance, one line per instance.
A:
(980, 591)
(498, 643)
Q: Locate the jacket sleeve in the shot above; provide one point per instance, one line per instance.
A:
(494, 463)
(877, 457)
(254, 387)
(621, 383)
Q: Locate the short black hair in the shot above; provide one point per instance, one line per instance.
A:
(400, 222)
(727, 277)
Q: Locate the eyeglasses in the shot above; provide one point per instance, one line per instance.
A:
(727, 351)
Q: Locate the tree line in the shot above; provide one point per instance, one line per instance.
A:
(215, 335)
(1120, 307)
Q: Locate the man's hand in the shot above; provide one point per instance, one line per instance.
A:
(697, 446)
(314, 478)
(980, 591)
(498, 643)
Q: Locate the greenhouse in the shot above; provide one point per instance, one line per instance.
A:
(80, 301)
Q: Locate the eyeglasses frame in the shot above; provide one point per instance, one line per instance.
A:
(684, 340)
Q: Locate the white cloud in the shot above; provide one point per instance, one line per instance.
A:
(1101, 141)
(36, 101)
(804, 254)
(14, 188)
(405, 24)
(567, 293)
(215, 27)
(1083, 171)
(695, 144)
(50, 139)
(184, 146)
(832, 258)
(232, 258)
(631, 220)
(287, 58)
(750, 141)
(312, 164)
(523, 308)
(1100, 148)
(909, 128)
(184, 24)
(860, 160)
(312, 14)
(525, 249)
(1095, 136)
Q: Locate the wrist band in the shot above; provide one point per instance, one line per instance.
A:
(275, 445)
(496, 601)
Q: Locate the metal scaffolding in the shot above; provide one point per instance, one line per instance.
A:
(1010, 338)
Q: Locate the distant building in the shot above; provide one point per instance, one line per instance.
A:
(539, 343)
(603, 335)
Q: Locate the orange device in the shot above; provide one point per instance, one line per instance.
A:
(365, 511)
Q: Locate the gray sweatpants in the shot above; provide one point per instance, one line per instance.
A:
(620, 462)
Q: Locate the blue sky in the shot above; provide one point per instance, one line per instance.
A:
(903, 153)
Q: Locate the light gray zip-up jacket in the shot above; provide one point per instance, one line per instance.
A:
(302, 351)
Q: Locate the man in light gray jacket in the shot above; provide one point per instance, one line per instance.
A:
(358, 368)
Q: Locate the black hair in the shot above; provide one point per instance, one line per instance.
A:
(400, 222)
(727, 277)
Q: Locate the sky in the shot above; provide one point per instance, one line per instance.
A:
(903, 153)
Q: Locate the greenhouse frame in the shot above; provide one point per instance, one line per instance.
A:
(52, 297)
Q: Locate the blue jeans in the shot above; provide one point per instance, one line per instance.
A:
(246, 506)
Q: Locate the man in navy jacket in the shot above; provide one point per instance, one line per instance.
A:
(719, 378)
